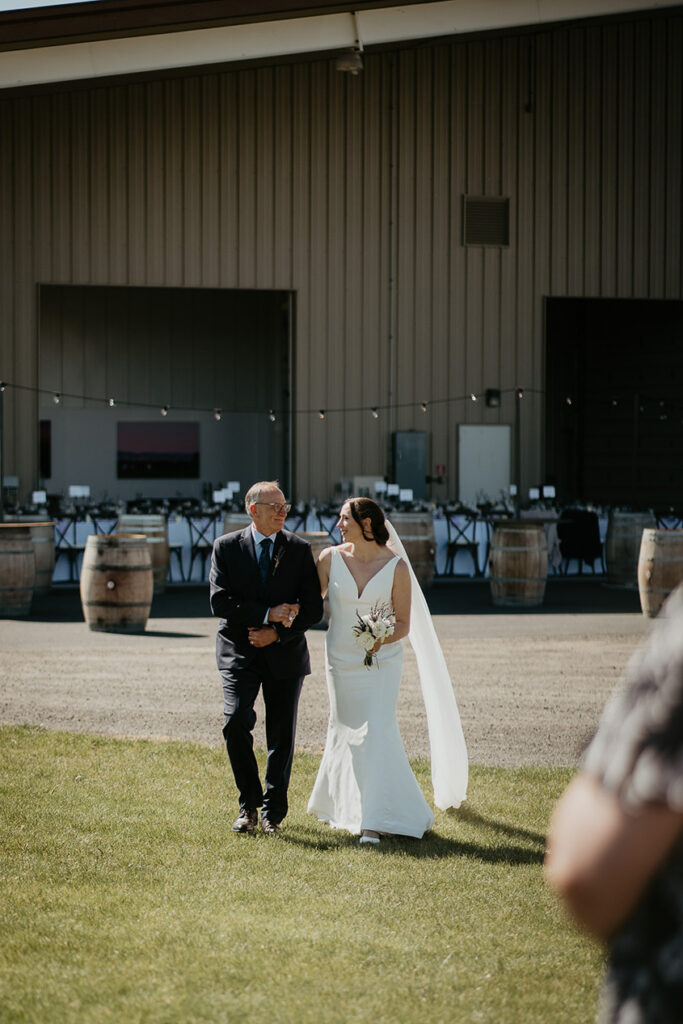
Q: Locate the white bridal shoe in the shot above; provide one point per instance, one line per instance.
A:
(369, 837)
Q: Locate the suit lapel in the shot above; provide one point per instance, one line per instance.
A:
(279, 551)
(249, 550)
(251, 557)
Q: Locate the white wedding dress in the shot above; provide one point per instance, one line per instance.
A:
(365, 780)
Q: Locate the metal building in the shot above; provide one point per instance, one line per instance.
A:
(206, 212)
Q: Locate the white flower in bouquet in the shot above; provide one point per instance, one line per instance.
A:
(366, 640)
(378, 624)
(382, 628)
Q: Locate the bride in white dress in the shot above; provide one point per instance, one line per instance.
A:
(365, 783)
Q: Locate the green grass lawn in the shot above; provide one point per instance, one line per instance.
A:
(125, 897)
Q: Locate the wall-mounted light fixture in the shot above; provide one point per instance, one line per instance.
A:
(352, 60)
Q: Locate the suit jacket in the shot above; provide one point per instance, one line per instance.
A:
(241, 599)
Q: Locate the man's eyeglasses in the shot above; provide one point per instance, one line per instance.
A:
(277, 506)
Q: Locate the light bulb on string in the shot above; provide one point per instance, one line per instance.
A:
(424, 407)
(3, 385)
(271, 416)
(321, 414)
(111, 402)
(217, 414)
(56, 398)
(473, 397)
(568, 400)
(519, 393)
(164, 410)
(375, 413)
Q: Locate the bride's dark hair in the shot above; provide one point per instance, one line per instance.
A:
(366, 508)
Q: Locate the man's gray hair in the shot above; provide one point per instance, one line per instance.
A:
(256, 491)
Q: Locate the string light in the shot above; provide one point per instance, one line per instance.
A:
(568, 400)
(217, 414)
(272, 413)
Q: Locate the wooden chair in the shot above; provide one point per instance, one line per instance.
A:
(461, 537)
(579, 533)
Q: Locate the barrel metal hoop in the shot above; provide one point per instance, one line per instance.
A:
(118, 568)
(115, 606)
(518, 579)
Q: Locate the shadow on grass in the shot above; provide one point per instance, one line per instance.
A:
(473, 817)
(433, 846)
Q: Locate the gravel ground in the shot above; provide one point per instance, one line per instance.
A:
(530, 685)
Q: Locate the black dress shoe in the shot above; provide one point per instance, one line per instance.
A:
(271, 828)
(246, 821)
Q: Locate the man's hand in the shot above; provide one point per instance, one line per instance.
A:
(262, 636)
(284, 613)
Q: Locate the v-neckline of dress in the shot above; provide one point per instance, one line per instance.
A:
(367, 582)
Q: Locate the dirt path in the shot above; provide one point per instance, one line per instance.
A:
(530, 688)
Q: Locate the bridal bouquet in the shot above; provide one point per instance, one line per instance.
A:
(376, 625)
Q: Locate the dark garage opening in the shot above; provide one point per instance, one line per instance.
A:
(614, 401)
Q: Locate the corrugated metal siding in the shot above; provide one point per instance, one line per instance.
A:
(300, 178)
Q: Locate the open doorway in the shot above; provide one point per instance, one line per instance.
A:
(614, 401)
(190, 374)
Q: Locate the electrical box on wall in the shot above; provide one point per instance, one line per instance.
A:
(410, 461)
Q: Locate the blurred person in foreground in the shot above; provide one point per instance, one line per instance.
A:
(615, 844)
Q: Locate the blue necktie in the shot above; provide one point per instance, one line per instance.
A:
(264, 559)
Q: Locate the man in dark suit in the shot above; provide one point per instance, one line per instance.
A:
(265, 588)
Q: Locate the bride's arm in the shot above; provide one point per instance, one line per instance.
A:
(400, 599)
(324, 559)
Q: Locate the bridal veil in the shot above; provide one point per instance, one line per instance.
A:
(448, 751)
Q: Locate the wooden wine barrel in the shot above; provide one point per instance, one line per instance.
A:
(518, 564)
(17, 570)
(416, 533)
(43, 538)
(155, 529)
(660, 568)
(622, 545)
(117, 583)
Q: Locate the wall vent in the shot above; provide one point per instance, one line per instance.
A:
(486, 220)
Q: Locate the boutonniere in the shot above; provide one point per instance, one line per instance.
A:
(279, 555)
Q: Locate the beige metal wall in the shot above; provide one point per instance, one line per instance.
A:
(305, 179)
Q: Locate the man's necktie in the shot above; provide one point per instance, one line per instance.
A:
(264, 559)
